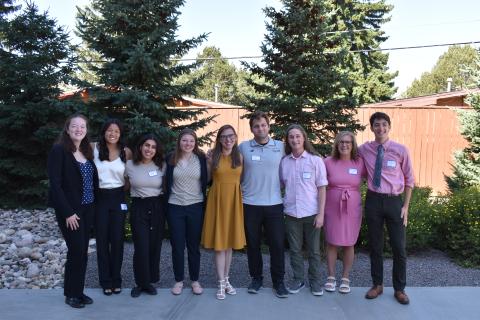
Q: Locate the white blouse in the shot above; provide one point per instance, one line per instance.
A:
(110, 173)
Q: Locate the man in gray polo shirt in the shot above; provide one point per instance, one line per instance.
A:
(262, 203)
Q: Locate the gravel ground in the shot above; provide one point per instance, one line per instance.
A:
(426, 269)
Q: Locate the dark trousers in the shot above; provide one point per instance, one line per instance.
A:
(147, 219)
(272, 220)
(380, 209)
(110, 235)
(77, 254)
(185, 224)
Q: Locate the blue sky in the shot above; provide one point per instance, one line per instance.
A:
(237, 27)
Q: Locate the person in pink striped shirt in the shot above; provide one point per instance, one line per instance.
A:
(389, 175)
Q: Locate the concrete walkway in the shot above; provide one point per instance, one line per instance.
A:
(426, 303)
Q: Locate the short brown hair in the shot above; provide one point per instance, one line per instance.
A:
(379, 116)
(257, 115)
(336, 143)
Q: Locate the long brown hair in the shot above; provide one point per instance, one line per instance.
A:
(177, 153)
(64, 139)
(217, 150)
(307, 145)
(336, 143)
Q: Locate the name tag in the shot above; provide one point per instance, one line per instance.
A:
(391, 163)
(352, 171)
(153, 173)
(123, 206)
(255, 158)
(307, 175)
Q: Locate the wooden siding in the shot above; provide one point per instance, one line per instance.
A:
(430, 133)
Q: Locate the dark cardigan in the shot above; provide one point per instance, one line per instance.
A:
(169, 177)
(66, 182)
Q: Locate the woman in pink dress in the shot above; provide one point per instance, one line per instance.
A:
(343, 208)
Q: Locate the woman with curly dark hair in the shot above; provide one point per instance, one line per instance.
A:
(147, 217)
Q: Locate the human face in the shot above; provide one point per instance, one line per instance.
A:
(187, 143)
(296, 141)
(260, 129)
(77, 130)
(227, 139)
(381, 129)
(345, 147)
(148, 150)
(112, 135)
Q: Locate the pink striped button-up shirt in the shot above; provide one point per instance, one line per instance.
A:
(397, 171)
(301, 178)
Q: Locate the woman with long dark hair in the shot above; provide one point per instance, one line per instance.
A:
(223, 228)
(147, 217)
(186, 187)
(110, 156)
(73, 182)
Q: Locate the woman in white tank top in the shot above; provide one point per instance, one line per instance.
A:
(110, 156)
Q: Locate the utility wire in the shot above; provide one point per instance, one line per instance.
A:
(327, 52)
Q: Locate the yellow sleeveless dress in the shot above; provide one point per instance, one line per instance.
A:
(223, 223)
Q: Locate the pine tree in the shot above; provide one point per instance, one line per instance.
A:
(466, 169)
(137, 39)
(35, 58)
(312, 76)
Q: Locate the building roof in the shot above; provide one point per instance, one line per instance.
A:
(440, 100)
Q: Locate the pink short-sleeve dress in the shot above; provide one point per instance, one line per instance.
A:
(343, 207)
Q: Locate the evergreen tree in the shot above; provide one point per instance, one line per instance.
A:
(35, 58)
(311, 75)
(452, 64)
(214, 71)
(466, 170)
(137, 39)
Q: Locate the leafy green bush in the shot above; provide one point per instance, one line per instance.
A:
(459, 227)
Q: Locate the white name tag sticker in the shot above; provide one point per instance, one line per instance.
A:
(352, 171)
(123, 206)
(307, 175)
(391, 163)
(255, 158)
(153, 173)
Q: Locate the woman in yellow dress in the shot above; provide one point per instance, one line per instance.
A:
(223, 225)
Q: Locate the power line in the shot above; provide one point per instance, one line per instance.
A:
(327, 52)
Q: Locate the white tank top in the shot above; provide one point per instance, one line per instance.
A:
(110, 173)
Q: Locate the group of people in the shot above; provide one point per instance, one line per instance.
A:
(244, 203)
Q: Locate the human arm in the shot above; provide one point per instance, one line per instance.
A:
(55, 165)
(318, 222)
(406, 204)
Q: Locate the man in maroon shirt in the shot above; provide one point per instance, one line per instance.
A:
(390, 175)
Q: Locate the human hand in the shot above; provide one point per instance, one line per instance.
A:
(72, 222)
(318, 222)
(404, 215)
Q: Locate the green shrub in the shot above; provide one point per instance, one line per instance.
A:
(460, 227)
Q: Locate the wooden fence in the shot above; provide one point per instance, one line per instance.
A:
(431, 134)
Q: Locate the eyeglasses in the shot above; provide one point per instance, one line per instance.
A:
(228, 136)
(345, 142)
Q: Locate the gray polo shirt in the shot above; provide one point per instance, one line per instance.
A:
(260, 177)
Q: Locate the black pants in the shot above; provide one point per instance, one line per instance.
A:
(110, 234)
(147, 219)
(380, 209)
(272, 220)
(185, 224)
(77, 254)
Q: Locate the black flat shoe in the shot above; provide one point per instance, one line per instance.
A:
(117, 290)
(107, 292)
(74, 302)
(136, 291)
(150, 290)
(86, 299)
